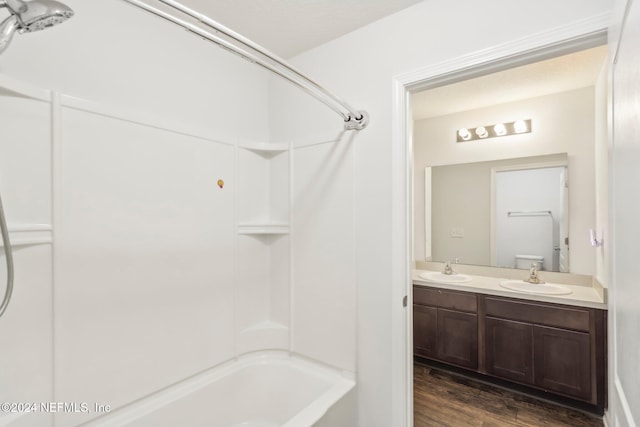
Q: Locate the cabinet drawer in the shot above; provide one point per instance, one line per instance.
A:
(539, 313)
(453, 300)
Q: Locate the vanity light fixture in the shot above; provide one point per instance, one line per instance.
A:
(493, 131)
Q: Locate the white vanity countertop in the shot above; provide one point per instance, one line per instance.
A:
(581, 296)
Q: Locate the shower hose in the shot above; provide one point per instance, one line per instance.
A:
(9, 258)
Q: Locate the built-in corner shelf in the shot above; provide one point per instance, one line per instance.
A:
(263, 335)
(18, 89)
(264, 187)
(263, 229)
(267, 324)
(263, 212)
(266, 150)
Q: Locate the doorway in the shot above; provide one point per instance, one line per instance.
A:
(509, 56)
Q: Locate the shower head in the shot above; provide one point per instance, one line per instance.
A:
(38, 14)
(27, 17)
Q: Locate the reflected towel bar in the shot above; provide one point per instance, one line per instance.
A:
(252, 52)
(529, 213)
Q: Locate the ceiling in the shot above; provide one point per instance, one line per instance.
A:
(560, 74)
(288, 27)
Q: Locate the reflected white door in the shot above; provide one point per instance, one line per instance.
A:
(427, 214)
(528, 204)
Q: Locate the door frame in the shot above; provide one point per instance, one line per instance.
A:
(572, 37)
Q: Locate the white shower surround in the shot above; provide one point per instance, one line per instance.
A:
(128, 209)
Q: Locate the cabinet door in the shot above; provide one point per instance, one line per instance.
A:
(425, 331)
(458, 338)
(562, 361)
(509, 350)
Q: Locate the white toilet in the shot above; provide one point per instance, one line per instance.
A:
(525, 261)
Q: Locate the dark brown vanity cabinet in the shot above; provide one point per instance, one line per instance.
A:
(551, 347)
(446, 326)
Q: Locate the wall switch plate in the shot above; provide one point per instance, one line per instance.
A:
(457, 232)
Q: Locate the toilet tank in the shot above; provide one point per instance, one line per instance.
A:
(525, 261)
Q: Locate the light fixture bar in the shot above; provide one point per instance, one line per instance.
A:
(494, 131)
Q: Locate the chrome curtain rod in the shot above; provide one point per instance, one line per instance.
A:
(252, 52)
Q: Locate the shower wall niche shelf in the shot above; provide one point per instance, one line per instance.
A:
(15, 88)
(30, 234)
(263, 188)
(263, 242)
(267, 334)
(257, 229)
(266, 150)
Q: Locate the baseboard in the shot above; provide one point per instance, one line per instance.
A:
(623, 404)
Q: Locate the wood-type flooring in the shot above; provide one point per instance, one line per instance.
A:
(445, 399)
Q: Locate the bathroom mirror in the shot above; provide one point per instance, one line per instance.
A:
(502, 213)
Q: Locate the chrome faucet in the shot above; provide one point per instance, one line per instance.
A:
(533, 274)
(447, 267)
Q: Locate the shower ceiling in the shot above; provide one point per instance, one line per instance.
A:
(288, 27)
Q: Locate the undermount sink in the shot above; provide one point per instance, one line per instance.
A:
(535, 288)
(438, 277)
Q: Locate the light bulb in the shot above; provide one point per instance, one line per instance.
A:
(482, 132)
(464, 134)
(500, 129)
(520, 126)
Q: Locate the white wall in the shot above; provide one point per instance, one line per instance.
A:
(324, 297)
(562, 122)
(360, 67)
(601, 224)
(461, 198)
(624, 313)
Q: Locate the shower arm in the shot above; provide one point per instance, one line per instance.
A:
(14, 4)
(252, 52)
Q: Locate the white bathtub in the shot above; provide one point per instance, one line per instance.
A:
(263, 390)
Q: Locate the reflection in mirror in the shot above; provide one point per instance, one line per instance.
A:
(565, 100)
(503, 213)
